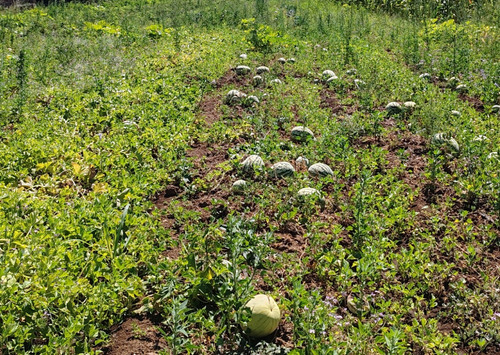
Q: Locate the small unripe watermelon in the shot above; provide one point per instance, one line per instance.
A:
(442, 138)
(439, 138)
(265, 316)
(320, 169)
(331, 79)
(239, 185)
(425, 76)
(257, 80)
(410, 105)
(461, 88)
(282, 60)
(283, 169)
(359, 83)
(234, 96)
(302, 162)
(393, 108)
(302, 134)
(495, 108)
(250, 100)
(242, 69)
(453, 82)
(262, 69)
(308, 193)
(328, 74)
(454, 144)
(276, 81)
(493, 155)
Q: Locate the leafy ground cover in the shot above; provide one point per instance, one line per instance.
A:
(121, 231)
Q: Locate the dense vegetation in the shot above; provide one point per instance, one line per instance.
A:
(119, 154)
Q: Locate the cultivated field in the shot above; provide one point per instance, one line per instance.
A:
(132, 219)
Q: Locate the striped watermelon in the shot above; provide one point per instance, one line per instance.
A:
(283, 169)
(320, 169)
(393, 108)
(252, 162)
(302, 134)
(239, 185)
(309, 193)
(262, 70)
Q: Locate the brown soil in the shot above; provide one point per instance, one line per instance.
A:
(136, 336)
(473, 101)
(330, 100)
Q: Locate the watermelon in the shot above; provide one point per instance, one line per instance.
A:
(443, 139)
(393, 108)
(331, 79)
(425, 76)
(283, 169)
(320, 169)
(242, 69)
(308, 193)
(328, 74)
(257, 80)
(252, 162)
(234, 96)
(250, 100)
(262, 70)
(480, 138)
(302, 134)
(453, 82)
(302, 162)
(410, 105)
(265, 316)
(239, 185)
(359, 83)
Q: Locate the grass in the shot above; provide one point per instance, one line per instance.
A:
(118, 157)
